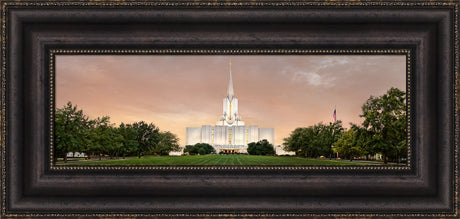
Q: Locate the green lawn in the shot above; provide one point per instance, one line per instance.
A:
(217, 160)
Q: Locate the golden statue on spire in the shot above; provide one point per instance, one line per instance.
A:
(230, 65)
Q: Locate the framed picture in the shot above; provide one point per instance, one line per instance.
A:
(229, 109)
(166, 109)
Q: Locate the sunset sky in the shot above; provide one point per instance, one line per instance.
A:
(178, 91)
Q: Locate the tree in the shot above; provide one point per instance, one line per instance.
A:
(148, 136)
(296, 141)
(364, 140)
(317, 145)
(190, 149)
(385, 118)
(75, 132)
(199, 148)
(103, 137)
(71, 128)
(168, 142)
(262, 147)
(347, 145)
(315, 140)
(128, 139)
(118, 147)
(327, 135)
(206, 148)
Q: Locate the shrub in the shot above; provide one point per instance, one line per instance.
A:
(263, 147)
(199, 148)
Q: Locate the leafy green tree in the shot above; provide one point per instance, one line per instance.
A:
(262, 147)
(330, 135)
(302, 142)
(204, 148)
(347, 145)
(191, 149)
(315, 140)
(364, 140)
(75, 132)
(201, 151)
(168, 142)
(199, 148)
(71, 128)
(148, 136)
(103, 137)
(118, 146)
(128, 139)
(296, 141)
(316, 143)
(385, 118)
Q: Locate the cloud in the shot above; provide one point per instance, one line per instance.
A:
(319, 70)
(332, 61)
(174, 92)
(313, 78)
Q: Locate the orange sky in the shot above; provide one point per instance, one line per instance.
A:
(276, 91)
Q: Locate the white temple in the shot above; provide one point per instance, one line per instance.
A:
(230, 135)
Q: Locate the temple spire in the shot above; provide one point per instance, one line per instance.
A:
(230, 83)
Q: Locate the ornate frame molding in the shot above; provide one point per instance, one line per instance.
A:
(29, 185)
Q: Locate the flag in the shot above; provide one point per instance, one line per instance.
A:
(334, 115)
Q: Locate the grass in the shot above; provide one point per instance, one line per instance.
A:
(217, 160)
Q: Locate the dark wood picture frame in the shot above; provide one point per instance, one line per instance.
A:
(33, 30)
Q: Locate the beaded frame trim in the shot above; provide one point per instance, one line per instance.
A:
(54, 52)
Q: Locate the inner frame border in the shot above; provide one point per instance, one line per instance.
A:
(409, 111)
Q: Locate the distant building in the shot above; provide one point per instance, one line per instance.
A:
(76, 154)
(229, 135)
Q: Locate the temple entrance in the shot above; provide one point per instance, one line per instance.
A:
(229, 151)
